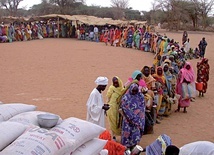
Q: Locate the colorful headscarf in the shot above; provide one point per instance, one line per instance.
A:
(118, 90)
(134, 85)
(189, 75)
(135, 74)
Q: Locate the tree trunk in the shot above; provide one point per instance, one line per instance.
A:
(204, 22)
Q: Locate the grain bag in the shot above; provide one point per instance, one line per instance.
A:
(103, 152)
(198, 148)
(9, 131)
(38, 141)
(29, 118)
(92, 147)
(7, 111)
(79, 130)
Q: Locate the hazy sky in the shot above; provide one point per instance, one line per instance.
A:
(142, 5)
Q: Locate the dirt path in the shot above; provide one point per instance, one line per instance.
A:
(58, 75)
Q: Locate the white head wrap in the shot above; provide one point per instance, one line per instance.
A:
(101, 80)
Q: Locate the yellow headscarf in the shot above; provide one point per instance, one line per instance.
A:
(118, 90)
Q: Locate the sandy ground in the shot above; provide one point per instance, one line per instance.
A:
(57, 75)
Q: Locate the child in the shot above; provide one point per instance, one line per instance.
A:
(91, 35)
(196, 53)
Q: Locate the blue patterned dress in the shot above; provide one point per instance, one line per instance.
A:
(133, 107)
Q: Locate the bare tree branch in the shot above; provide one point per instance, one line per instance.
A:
(120, 3)
(10, 5)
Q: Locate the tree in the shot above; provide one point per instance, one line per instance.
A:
(172, 10)
(118, 8)
(133, 14)
(1, 12)
(66, 5)
(120, 3)
(43, 8)
(11, 6)
(191, 10)
(204, 7)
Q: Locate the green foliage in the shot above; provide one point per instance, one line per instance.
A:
(133, 14)
(43, 9)
(183, 13)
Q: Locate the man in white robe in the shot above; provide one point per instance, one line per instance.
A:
(95, 105)
(187, 46)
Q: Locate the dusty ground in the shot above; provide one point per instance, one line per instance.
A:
(58, 75)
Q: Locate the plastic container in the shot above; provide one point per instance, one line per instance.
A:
(199, 86)
(137, 150)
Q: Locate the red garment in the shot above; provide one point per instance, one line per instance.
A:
(203, 69)
(111, 36)
(113, 147)
(105, 37)
(101, 38)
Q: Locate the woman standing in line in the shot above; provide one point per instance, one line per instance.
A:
(114, 95)
(160, 85)
(133, 107)
(203, 69)
(185, 86)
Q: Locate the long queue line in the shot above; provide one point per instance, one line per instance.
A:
(169, 80)
(148, 95)
(134, 107)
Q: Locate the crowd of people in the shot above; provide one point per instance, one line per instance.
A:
(133, 108)
(142, 38)
(35, 30)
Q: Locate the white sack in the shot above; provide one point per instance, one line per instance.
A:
(79, 130)
(103, 152)
(9, 131)
(92, 147)
(7, 111)
(29, 118)
(38, 141)
(198, 148)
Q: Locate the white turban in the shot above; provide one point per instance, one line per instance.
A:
(101, 80)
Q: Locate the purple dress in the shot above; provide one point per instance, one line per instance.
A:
(133, 107)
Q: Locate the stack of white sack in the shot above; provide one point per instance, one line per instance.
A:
(38, 141)
(20, 134)
(10, 131)
(85, 135)
(30, 118)
(7, 111)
